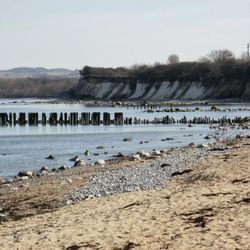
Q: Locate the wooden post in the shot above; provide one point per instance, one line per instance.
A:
(95, 118)
(53, 119)
(22, 119)
(118, 119)
(14, 119)
(44, 119)
(106, 118)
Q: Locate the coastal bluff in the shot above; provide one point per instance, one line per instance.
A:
(183, 81)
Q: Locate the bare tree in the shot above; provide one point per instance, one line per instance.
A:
(173, 58)
(219, 56)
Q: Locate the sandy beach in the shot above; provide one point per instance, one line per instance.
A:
(205, 208)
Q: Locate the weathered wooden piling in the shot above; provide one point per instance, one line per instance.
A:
(22, 119)
(53, 119)
(14, 119)
(33, 119)
(106, 118)
(118, 119)
(65, 118)
(60, 121)
(10, 118)
(95, 118)
(44, 119)
(85, 118)
(3, 119)
(73, 118)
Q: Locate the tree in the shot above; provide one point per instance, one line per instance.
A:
(173, 59)
(220, 56)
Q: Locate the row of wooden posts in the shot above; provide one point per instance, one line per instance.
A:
(74, 118)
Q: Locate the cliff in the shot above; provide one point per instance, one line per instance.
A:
(183, 81)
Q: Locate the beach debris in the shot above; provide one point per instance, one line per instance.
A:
(186, 171)
(28, 174)
(76, 158)
(50, 157)
(164, 165)
(87, 153)
(100, 162)
(79, 163)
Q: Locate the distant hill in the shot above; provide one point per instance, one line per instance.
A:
(27, 72)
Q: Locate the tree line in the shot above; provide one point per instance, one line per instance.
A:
(217, 66)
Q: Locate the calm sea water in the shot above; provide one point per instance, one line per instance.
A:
(23, 148)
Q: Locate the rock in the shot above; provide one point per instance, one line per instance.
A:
(44, 172)
(105, 153)
(119, 155)
(239, 136)
(96, 154)
(100, 147)
(142, 153)
(87, 153)
(23, 178)
(192, 144)
(2, 181)
(208, 137)
(135, 157)
(44, 168)
(157, 152)
(28, 174)
(100, 162)
(167, 139)
(202, 145)
(62, 168)
(127, 139)
(53, 169)
(50, 157)
(248, 136)
(79, 163)
(190, 125)
(76, 158)
(141, 142)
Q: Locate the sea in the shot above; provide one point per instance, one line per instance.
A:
(27, 147)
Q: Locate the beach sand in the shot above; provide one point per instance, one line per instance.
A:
(208, 208)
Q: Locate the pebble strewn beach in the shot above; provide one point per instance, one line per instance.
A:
(147, 175)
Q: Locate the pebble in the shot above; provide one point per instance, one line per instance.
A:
(150, 174)
(100, 162)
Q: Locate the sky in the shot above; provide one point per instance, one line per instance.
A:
(113, 33)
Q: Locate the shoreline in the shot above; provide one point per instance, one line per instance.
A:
(189, 204)
(164, 161)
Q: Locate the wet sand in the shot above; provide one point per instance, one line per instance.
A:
(207, 208)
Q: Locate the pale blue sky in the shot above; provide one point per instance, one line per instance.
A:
(74, 33)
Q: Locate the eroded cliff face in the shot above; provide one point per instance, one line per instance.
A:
(160, 91)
